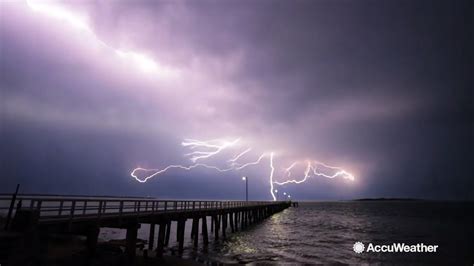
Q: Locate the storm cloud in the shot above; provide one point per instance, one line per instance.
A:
(382, 89)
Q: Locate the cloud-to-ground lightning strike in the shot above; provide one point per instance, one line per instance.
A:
(141, 61)
(272, 171)
(203, 150)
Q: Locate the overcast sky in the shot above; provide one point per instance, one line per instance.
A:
(381, 89)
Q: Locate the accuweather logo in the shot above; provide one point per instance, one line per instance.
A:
(359, 247)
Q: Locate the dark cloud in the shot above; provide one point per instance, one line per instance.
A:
(381, 88)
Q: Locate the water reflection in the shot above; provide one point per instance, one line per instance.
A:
(325, 232)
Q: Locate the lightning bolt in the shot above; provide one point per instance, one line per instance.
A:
(187, 168)
(340, 171)
(288, 170)
(251, 163)
(169, 167)
(141, 61)
(202, 150)
(233, 160)
(271, 176)
(312, 167)
(216, 147)
(197, 155)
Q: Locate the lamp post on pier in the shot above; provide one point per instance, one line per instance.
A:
(246, 179)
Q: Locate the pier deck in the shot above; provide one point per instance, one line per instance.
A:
(36, 215)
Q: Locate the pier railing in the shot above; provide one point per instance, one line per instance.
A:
(70, 207)
(30, 216)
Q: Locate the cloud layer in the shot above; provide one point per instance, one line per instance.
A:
(380, 89)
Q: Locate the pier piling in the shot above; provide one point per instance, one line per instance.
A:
(161, 238)
(180, 233)
(205, 236)
(151, 238)
(195, 232)
(85, 216)
(168, 231)
(131, 241)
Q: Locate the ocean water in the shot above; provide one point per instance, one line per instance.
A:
(325, 232)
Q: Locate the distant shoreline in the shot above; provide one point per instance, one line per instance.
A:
(389, 199)
(385, 200)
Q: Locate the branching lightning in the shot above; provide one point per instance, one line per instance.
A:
(216, 146)
(239, 155)
(312, 168)
(204, 150)
(242, 166)
(288, 171)
(169, 167)
(197, 155)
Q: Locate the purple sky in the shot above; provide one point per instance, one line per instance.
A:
(381, 89)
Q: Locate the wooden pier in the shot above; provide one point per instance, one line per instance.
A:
(85, 215)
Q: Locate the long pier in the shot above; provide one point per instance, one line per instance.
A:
(34, 215)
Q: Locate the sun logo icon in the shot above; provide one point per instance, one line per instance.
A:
(358, 247)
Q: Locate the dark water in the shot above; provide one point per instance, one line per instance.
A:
(325, 232)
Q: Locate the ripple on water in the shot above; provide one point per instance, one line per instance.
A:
(325, 232)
